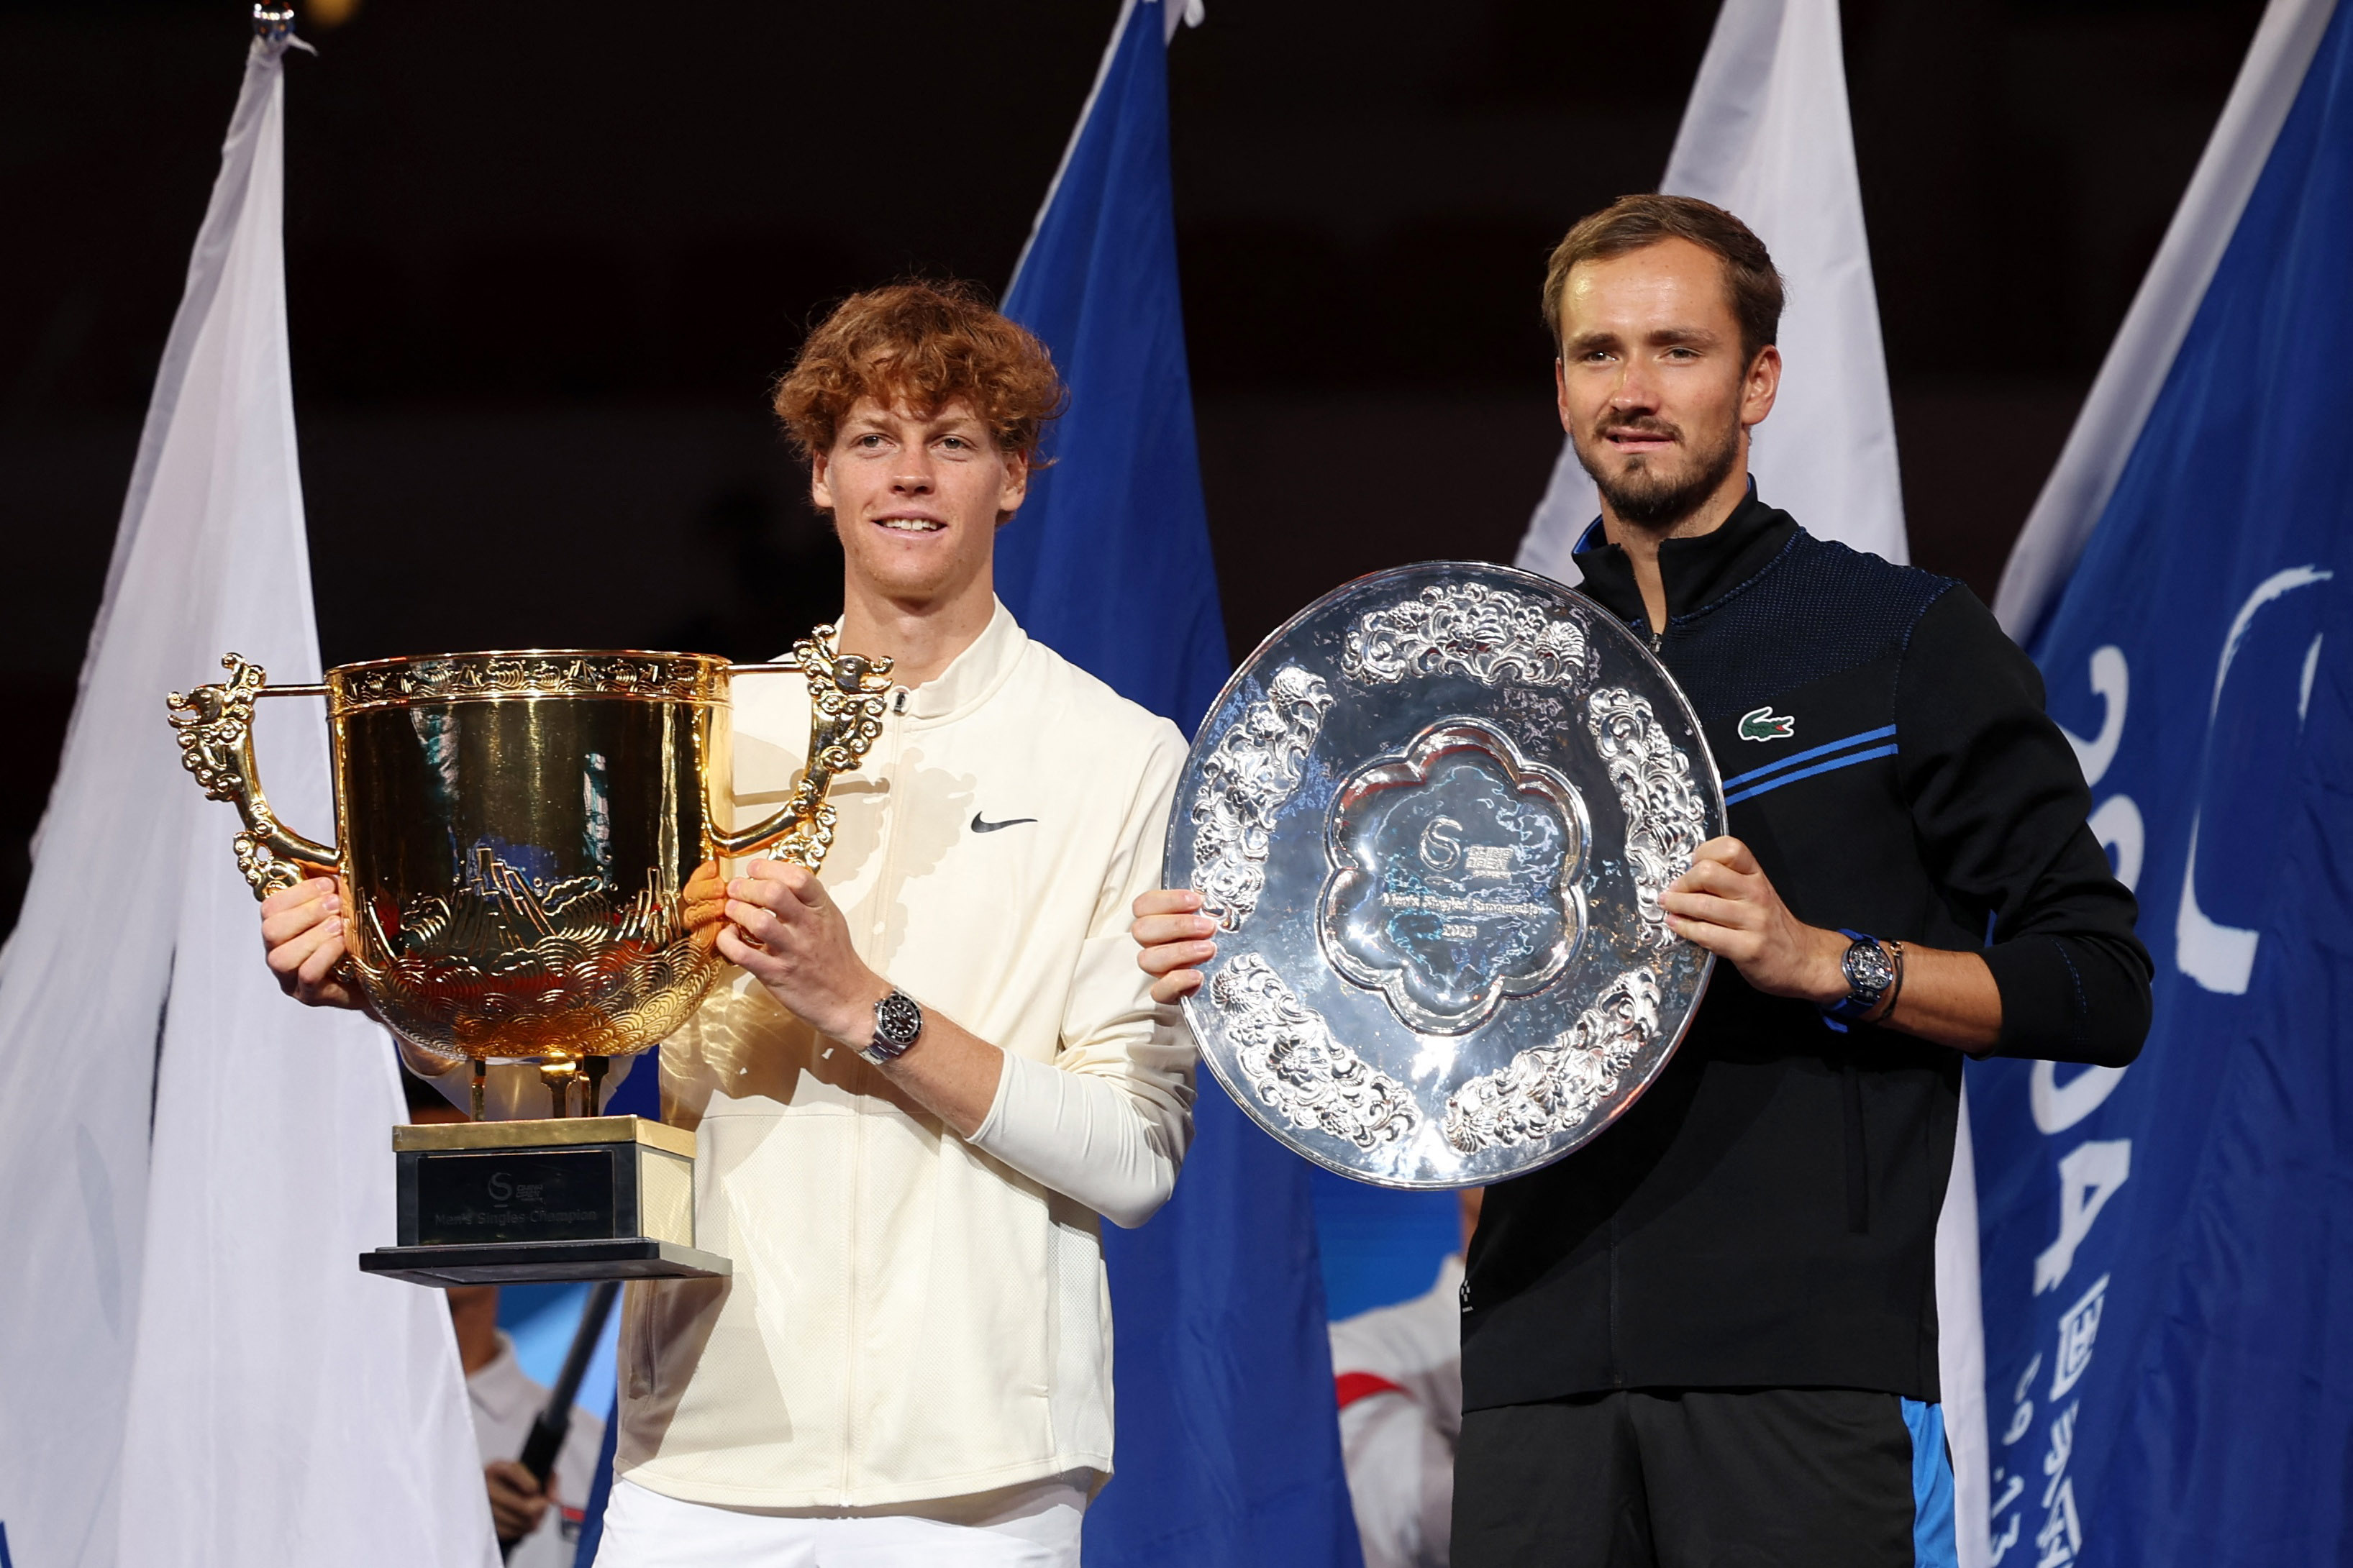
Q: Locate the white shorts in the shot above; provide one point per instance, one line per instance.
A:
(1035, 1525)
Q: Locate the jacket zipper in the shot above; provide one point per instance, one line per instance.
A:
(885, 771)
(1617, 1360)
(850, 1359)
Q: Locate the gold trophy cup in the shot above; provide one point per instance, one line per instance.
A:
(528, 847)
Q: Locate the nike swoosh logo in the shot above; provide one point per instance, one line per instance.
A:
(980, 826)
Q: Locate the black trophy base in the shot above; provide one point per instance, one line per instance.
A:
(505, 1203)
(545, 1262)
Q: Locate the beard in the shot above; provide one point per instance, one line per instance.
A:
(1649, 498)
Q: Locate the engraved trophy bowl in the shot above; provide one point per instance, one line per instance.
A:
(516, 867)
(529, 847)
(1432, 815)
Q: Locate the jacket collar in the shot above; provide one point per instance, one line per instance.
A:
(1698, 573)
(974, 674)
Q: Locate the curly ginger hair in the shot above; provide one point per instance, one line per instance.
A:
(922, 345)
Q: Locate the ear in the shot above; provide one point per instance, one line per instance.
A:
(1560, 392)
(821, 492)
(1014, 489)
(1763, 385)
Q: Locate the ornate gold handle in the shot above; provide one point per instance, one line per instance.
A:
(215, 727)
(846, 696)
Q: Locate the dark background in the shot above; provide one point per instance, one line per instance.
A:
(543, 258)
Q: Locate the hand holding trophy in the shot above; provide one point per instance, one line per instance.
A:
(526, 868)
(302, 937)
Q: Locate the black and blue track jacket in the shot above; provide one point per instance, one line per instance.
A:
(1766, 1215)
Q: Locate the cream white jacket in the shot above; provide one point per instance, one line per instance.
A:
(912, 1316)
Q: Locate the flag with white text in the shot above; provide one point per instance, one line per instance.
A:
(2165, 1260)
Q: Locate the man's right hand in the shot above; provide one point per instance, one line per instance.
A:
(1173, 935)
(303, 927)
(517, 1502)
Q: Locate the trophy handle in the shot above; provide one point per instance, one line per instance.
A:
(847, 697)
(789, 819)
(216, 728)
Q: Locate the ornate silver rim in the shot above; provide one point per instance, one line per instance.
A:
(1292, 1068)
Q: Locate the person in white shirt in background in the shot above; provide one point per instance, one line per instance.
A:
(932, 1071)
(1398, 1375)
(539, 1527)
(544, 1525)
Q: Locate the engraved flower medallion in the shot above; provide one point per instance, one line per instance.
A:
(1456, 877)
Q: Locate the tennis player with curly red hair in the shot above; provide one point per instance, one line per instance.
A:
(931, 1073)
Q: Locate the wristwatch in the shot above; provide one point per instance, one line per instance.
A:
(1869, 973)
(897, 1022)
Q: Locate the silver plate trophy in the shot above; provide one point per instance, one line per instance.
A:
(1432, 815)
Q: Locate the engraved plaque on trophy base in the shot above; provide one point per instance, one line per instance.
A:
(495, 1203)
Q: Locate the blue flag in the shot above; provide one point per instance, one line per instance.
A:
(1108, 562)
(2167, 1271)
(1228, 1448)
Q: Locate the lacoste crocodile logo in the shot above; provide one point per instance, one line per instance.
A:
(1763, 724)
(980, 826)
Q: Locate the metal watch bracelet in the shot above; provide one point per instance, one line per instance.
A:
(898, 1022)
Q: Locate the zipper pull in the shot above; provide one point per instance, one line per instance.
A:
(899, 703)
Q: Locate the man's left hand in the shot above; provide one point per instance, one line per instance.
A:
(789, 934)
(1727, 905)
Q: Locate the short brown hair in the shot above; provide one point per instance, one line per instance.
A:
(1634, 223)
(924, 345)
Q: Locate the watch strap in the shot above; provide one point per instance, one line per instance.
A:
(1852, 1007)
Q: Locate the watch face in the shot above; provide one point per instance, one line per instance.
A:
(897, 1021)
(1868, 968)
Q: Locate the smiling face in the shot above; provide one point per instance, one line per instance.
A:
(916, 499)
(1654, 388)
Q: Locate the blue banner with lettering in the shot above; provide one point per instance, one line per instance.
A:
(2167, 1272)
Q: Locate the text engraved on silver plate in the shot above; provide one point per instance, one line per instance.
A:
(1297, 1069)
(1254, 768)
(1547, 1090)
(1666, 818)
(1492, 635)
(1456, 877)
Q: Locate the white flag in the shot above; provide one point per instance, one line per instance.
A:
(1765, 137)
(193, 1369)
